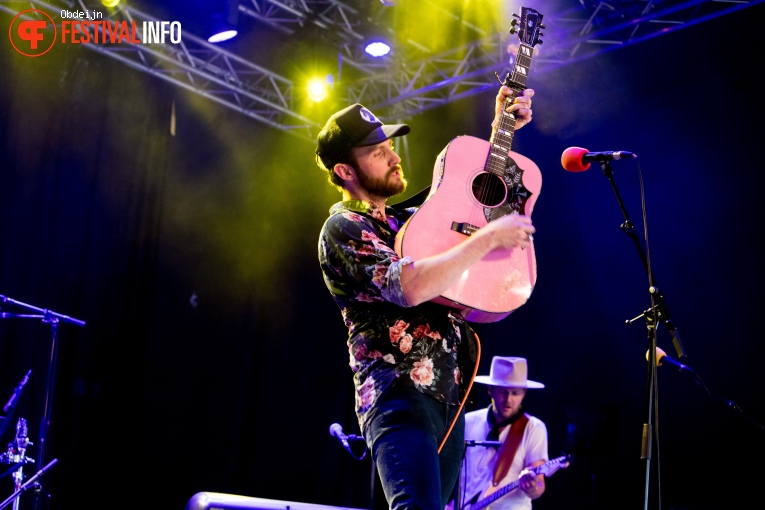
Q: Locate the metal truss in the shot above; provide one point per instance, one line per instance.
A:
(410, 81)
(412, 85)
(291, 16)
(200, 67)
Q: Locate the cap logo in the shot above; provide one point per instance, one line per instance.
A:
(368, 116)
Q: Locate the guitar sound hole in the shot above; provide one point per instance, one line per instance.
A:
(489, 189)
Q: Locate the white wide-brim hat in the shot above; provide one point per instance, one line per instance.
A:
(508, 372)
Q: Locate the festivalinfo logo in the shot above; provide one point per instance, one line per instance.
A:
(34, 32)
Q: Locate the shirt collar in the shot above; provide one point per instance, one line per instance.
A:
(360, 206)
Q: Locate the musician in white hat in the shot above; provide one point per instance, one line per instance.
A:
(491, 469)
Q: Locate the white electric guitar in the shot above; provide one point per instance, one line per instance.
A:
(491, 494)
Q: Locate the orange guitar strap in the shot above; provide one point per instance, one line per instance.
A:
(507, 451)
(475, 350)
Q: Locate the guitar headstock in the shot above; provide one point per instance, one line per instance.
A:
(552, 465)
(528, 26)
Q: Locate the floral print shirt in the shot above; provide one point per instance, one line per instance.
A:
(389, 341)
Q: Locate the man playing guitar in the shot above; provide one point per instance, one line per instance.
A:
(412, 360)
(489, 469)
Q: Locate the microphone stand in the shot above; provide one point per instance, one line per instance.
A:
(657, 312)
(657, 298)
(53, 319)
(468, 443)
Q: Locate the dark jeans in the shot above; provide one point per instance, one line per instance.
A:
(404, 432)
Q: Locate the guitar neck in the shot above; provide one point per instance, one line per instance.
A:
(502, 141)
(495, 495)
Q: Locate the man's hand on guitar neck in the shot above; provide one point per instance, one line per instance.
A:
(521, 105)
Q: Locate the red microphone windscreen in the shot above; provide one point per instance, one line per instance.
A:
(572, 159)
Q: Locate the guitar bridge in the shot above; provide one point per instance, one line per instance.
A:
(464, 228)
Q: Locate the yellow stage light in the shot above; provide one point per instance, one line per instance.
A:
(317, 90)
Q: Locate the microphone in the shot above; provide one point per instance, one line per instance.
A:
(577, 159)
(337, 430)
(16, 392)
(490, 444)
(661, 358)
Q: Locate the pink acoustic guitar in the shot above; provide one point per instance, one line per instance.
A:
(474, 182)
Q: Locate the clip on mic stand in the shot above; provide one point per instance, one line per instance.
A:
(657, 312)
(53, 319)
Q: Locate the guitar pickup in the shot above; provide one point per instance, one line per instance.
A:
(464, 228)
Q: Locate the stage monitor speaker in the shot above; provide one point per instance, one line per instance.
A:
(221, 501)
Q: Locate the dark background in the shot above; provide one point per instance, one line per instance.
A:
(213, 358)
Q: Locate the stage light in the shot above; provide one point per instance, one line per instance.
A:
(221, 30)
(318, 89)
(110, 3)
(377, 40)
(223, 23)
(377, 48)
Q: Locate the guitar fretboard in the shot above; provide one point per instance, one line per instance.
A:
(503, 136)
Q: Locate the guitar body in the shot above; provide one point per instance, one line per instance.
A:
(503, 280)
(475, 182)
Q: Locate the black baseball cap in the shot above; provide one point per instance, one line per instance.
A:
(353, 126)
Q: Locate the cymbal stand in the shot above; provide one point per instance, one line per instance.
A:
(13, 497)
(657, 312)
(52, 318)
(16, 455)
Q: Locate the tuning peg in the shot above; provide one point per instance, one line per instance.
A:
(516, 15)
(514, 22)
(542, 27)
